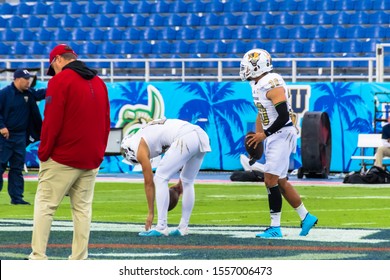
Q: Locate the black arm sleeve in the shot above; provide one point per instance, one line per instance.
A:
(280, 121)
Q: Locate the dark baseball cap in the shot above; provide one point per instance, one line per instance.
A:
(22, 73)
(58, 50)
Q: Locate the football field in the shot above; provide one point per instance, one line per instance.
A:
(353, 224)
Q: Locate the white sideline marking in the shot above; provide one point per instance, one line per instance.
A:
(289, 233)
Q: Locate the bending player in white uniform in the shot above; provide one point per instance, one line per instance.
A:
(275, 127)
(185, 146)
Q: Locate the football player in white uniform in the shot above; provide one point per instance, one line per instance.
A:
(274, 126)
(184, 146)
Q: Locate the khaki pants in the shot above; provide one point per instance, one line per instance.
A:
(381, 152)
(56, 180)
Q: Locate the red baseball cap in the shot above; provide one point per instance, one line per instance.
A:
(58, 50)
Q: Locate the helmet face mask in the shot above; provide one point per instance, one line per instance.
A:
(254, 63)
(129, 148)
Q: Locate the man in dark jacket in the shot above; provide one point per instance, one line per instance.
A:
(74, 137)
(18, 110)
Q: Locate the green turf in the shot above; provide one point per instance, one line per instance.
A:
(229, 204)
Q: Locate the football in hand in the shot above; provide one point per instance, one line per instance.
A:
(254, 153)
(174, 195)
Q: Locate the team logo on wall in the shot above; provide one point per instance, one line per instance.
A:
(133, 117)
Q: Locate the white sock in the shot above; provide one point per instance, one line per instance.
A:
(302, 212)
(275, 219)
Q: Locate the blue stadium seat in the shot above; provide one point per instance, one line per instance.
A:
(144, 7)
(23, 9)
(174, 20)
(218, 47)
(161, 6)
(205, 33)
(168, 33)
(19, 48)
(3, 22)
(377, 31)
(381, 5)
(321, 17)
(45, 35)
(214, 7)
(97, 34)
(303, 18)
(242, 32)
(233, 6)
(186, 33)
(278, 32)
(16, 22)
(192, 20)
(196, 7)
(199, 47)
(332, 46)
(4, 48)
(341, 18)
(109, 48)
(7, 9)
(237, 47)
(108, 7)
(317, 32)
(209, 19)
(68, 21)
(114, 34)
(121, 20)
(9, 35)
(351, 46)
(337, 32)
(102, 21)
(229, 19)
(379, 17)
(61, 34)
(150, 34)
(137, 20)
(224, 32)
(33, 21)
(59, 8)
(298, 32)
(91, 8)
(345, 5)
(355, 31)
(247, 19)
(40, 8)
(27, 35)
(260, 32)
(143, 47)
(284, 18)
(85, 21)
(369, 46)
(161, 47)
(359, 17)
(37, 48)
(127, 8)
(293, 47)
(181, 47)
(75, 8)
(178, 7)
(132, 34)
(313, 46)
(364, 5)
(79, 34)
(265, 19)
(50, 21)
(155, 20)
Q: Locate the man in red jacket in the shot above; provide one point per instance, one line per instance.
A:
(74, 136)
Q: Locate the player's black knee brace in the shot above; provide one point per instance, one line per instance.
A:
(274, 199)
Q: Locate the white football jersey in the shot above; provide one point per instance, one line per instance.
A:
(266, 109)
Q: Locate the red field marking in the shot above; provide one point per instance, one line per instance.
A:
(209, 247)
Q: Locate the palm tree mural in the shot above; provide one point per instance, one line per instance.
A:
(338, 99)
(212, 101)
